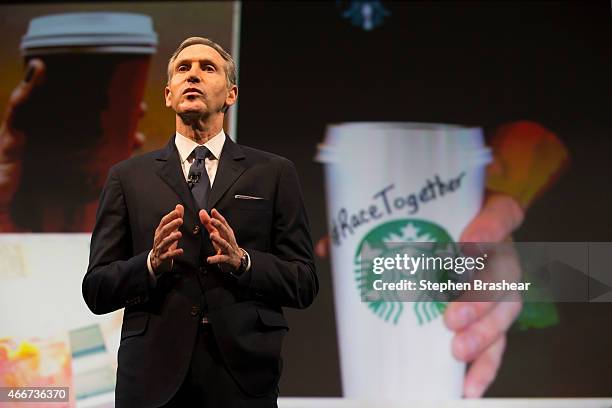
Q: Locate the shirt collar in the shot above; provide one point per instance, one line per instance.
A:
(185, 145)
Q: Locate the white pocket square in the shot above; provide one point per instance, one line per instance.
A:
(247, 197)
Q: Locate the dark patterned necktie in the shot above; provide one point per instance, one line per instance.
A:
(198, 180)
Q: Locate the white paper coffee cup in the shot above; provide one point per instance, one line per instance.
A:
(375, 177)
(90, 32)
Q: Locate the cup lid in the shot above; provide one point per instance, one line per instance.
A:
(122, 32)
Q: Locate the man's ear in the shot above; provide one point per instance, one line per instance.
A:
(168, 97)
(232, 95)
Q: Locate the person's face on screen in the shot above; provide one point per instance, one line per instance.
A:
(198, 84)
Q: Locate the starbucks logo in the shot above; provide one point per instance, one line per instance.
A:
(407, 236)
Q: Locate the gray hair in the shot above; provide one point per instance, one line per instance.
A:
(230, 65)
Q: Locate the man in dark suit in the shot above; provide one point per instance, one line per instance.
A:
(202, 290)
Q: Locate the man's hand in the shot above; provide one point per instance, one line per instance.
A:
(223, 239)
(480, 327)
(165, 242)
(12, 141)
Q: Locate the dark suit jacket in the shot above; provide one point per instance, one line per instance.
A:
(161, 320)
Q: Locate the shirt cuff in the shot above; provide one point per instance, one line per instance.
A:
(152, 275)
(248, 268)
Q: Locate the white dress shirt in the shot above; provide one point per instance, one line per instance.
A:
(185, 147)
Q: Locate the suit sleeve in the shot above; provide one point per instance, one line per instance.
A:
(115, 277)
(286, 275)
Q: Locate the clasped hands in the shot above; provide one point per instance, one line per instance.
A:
(167, 236)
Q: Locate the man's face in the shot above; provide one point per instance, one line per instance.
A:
(198, 85)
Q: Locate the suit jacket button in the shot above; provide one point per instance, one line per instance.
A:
(196, 230)
(203, 271)
(195, 310)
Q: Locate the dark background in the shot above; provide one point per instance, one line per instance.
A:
(481, 63)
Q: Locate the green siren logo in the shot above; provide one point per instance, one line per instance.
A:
(418, 237)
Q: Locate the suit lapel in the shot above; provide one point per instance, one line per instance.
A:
(230, 168)
(172, 174)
